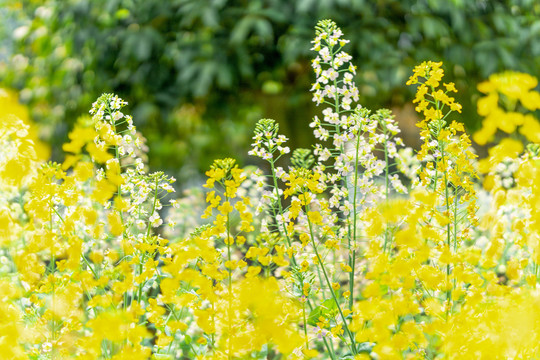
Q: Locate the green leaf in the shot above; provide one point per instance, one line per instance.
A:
(329, 305)
(314, 315)
(365, 347)
(326, 309)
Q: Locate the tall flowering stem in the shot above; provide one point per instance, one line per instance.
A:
(389, 141)
(448, 169)
(355, 135)
(307, 184)
(334, 87)
(108, 118)
(268, 145)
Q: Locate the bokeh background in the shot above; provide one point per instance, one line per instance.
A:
(198, 74)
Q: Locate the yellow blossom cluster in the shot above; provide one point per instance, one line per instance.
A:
(506, 96)
(19, 143)
(509, 104)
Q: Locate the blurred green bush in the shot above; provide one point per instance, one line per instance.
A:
(199, 73)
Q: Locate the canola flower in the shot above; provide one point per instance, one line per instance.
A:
(506, 95)
(360, 249)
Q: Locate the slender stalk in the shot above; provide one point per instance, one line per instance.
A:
(89, 265)
(153, 205)
(328, 348)
(213, 336)
(448, 231)
(116, 150)
(51, 274)
(329, 284)
(143, 258)
(386, 185)
(455, 230)
(305, 323)
(350, 239)
(352, 259)
(280, 208)
(118, 158)
(119, 189)
(455, 220)
(229, 276)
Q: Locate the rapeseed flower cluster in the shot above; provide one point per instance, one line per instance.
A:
(357, 249)
(506, 96)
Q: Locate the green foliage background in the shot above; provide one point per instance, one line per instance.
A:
(199, 73)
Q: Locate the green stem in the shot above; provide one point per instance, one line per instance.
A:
(229, 355)
(305, 324)
(213, 336)
(352, 259)
(387, 187)
(455, 220)
(329, 284)
(352, 253)
(89, 266)
(51, 273)
(143, 258)
(153, 205)
(448, 231)
(280, 207)
(328, 348)
(117, 156)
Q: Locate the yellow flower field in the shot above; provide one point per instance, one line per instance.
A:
(360, 248)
